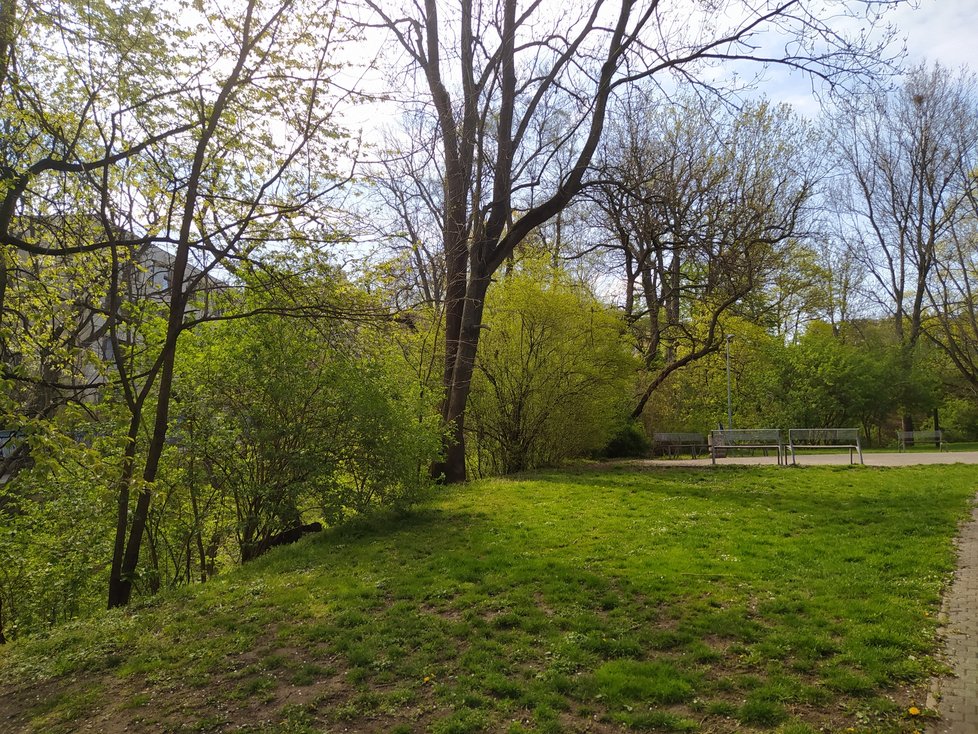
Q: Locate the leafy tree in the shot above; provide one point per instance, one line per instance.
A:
(289, 415)
(825, 378)
(54, 515)
(515, 104)
(702, 210)
(831, 382)
(202, 133)
(554, 373)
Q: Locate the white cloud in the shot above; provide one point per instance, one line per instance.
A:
(939, 30)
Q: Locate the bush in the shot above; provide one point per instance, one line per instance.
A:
(552, 375)
(629, 442)
(290, 416)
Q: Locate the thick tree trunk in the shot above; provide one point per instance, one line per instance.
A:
(907, 425)
(457, 390)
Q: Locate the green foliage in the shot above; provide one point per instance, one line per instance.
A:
(552, 374)
(630, 441)
(288, 415)
(829, 382)
(53, 520)
(854, 376)
(959, 416)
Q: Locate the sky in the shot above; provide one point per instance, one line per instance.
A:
(941, 30)
(933, 30)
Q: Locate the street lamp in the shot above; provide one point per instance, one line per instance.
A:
(729, 400)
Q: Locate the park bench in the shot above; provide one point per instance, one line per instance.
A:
(730, 439)
(673, 444)
(915, 438)
(825, 438)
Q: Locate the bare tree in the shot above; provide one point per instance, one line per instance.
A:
(494, 75)
(702, 208)
(953, 296)
(907, 162)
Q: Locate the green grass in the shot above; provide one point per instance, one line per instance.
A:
(962, 446)
(924, 447)
(735, 599)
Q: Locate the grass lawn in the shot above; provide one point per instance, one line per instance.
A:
(600, 600)
(923, 447)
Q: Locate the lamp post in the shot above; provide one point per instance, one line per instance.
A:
(729, 399)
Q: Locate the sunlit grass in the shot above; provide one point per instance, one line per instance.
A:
(735, 599)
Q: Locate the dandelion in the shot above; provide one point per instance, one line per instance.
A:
(427, 679)
(913, 711)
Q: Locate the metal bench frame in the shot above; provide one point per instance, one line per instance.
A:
(825, 438)
(696, 443)
(747, 438)
(917, 437)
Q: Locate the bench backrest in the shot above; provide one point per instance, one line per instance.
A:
(678, 438)
(823, 436)
(734, 436)
(920, 435)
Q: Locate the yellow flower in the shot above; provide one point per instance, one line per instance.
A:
(427, 678)
(913, 711)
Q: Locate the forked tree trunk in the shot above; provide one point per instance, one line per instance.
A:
(459, 384)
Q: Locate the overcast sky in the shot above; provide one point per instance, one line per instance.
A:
(934, 30)
(942, 30)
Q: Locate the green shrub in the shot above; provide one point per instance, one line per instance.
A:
(629, 442)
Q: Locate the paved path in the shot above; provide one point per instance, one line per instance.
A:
(957, 699)
(906, 459)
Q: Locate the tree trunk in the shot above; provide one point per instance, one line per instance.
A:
(452, 469)
(119, 589)
(907, 425)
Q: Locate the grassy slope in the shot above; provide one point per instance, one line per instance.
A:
(687, 600)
